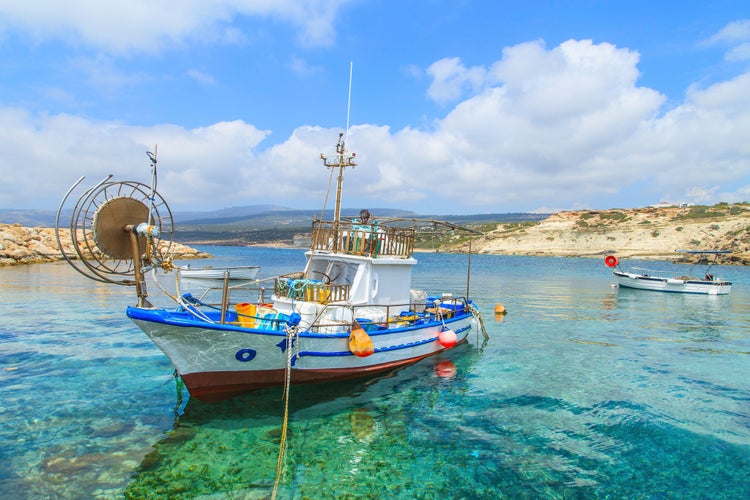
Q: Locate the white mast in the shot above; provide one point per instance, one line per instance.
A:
(343, 159)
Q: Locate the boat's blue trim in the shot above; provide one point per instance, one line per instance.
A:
(185, 319)
(379, 349)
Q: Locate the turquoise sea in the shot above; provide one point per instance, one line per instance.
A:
(582, 391)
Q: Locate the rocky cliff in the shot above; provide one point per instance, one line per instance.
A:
(647, 233)
(27, 245)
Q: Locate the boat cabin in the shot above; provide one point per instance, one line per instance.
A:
(352, 264)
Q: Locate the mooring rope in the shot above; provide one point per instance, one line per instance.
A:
(291, 333)
(478, 316)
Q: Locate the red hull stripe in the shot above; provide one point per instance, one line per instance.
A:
(217, 386)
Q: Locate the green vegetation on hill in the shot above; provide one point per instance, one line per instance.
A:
(206, 235)
(286, 227)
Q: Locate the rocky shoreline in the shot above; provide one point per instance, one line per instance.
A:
(33, 245)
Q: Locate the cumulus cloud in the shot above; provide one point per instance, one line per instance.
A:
(450, 78)
(44, 154)
(147, 25)
(563, 127)
(572, 124)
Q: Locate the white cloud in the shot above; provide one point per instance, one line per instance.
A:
(149, 25)
(736, 36)
(740, 52)
(450, 79)
(570, 126)
(736, 31)
(43, 155)
(565, 127)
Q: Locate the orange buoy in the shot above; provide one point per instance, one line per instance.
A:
(447, 338)
(611, 261)
(360, 344)
(500, 310)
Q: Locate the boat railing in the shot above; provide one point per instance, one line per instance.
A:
(310, 290)
(259, 314)
(248, 292)
(376, 317)
(663, 273)
(370, 240)
(294, 286)
(647, 272)
(221, 297)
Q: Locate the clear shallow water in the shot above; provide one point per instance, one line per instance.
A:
(583, 391)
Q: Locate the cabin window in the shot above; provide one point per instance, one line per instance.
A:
(333, 272)
(341, 273)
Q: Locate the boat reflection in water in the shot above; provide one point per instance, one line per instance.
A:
(347, 432)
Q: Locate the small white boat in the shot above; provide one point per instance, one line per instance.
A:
(351, 312)
(245, 273)
(644, 279)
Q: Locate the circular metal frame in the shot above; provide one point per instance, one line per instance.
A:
(99, 230)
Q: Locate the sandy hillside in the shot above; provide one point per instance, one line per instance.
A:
(650, 233)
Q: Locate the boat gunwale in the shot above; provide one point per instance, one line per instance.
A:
(643, 277)
(185, 319)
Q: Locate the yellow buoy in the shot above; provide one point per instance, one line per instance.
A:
(500, 310)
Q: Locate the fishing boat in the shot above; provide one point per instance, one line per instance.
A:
(644, 279)
(351, 312)
(244, 273)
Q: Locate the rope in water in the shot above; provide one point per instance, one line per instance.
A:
(478, 316)
(291, 332)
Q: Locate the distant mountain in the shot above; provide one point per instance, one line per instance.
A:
(288, 226)
(225, 214)
(265, 216)
(239, 222)
(30, 218)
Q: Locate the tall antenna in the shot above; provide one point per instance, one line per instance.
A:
(343, 160)
(349, 102)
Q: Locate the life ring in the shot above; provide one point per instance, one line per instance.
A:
(611, 261)
(245, 355)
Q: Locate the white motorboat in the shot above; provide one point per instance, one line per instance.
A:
(244, 273)
(644, 279)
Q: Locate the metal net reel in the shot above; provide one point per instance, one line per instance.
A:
(118, 231)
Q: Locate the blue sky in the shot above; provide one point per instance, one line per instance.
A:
(457, 106)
